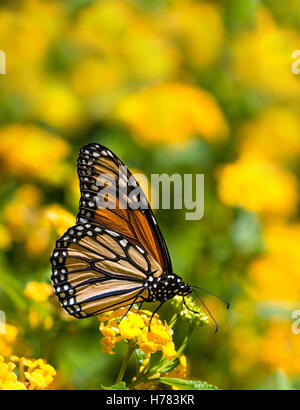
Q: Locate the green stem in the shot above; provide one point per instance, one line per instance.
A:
(173, 320)
(130, 350)
(185, 341)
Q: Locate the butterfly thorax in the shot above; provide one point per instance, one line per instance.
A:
(166, 287)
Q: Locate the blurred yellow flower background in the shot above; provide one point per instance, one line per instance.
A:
(177, 86)
(259, 186)
(172, 113)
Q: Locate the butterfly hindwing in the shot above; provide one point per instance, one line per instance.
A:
(95, 269)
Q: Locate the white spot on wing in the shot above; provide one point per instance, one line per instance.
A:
(111, 232)
(123, 242)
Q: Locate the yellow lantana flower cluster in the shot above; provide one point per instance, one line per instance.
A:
(58, 218)
(38, 291)
(273, 134)
(281, 348)
(27, 220)
(38, 314)
(172, 113)
(197, 27)
(39, 373)
(8, 379)
(270, 46)
(134, 328)
(194, 319)
(30, 151)
(259, 186)
(34, 374)
(282, 255)
(8, 338)
(33, 21)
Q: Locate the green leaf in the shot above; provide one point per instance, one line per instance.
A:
(187, 384)
(167, 366)
(118, 386)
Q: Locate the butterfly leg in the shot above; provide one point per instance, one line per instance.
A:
(149, 326)
(134, 300)
(141, 305)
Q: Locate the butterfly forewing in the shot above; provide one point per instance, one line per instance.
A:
(129, 216)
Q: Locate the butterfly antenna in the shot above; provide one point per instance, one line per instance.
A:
(215, 322)
(219, 297)
(152, 316)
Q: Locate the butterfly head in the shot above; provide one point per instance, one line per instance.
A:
(184, 289)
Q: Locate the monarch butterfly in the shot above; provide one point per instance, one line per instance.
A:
(115, 255)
